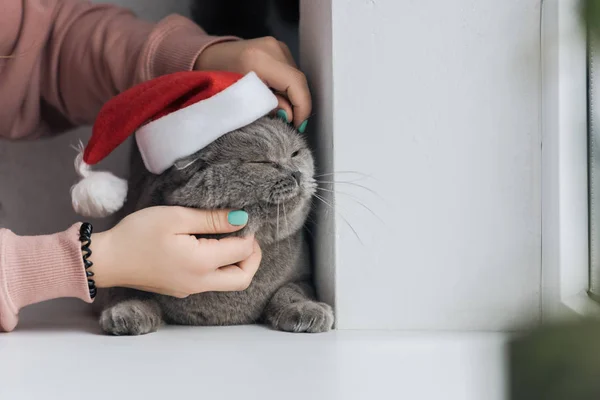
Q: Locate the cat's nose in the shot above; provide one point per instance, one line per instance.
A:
(297, 175)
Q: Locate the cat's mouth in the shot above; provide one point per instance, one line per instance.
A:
(284, 196)
(283, 199)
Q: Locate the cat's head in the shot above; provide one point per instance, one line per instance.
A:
(265, 168)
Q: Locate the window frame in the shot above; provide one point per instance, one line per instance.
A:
(565, 186)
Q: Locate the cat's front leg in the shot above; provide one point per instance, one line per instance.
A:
(293, 309)
(131, 317)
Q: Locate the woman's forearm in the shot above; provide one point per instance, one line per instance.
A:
(38, 268)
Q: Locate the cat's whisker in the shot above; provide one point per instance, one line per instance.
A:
(312, 235)
(277, 230)
(361, 175)
(356, 200)
(335, 210)
(341, 215)
(343, 172)
(358, 185)
(79, 147)
(312, 221)
(349, 183)
(287, 226)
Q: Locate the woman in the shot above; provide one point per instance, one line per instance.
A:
(61, 60)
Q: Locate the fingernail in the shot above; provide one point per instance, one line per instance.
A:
(281, 114)
(302, 126)
(237, 218)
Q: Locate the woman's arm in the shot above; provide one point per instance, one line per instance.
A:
(61, 60)
(39, 268)
(96, 51)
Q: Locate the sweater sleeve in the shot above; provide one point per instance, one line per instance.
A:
(38, 268)
(96, 51)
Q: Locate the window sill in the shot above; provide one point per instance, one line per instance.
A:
(57, 352)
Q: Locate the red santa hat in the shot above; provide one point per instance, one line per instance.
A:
(172, 116)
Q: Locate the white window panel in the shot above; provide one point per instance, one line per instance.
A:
(565, 190)
(594, 167)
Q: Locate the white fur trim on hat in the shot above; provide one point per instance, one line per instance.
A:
(185, 131)
(98, 194)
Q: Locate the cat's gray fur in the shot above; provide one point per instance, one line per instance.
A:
(266, 169)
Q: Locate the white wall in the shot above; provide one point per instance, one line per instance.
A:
(440, 103)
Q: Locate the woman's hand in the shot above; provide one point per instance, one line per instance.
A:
(272, 61)
(154, 250)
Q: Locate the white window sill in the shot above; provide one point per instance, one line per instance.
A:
(62, 355)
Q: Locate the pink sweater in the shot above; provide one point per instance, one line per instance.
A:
(68, 57)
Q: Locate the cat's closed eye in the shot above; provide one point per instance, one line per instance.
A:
(296, 153)
(262, 162)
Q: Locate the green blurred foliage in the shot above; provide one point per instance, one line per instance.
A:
(590, 16)
(560, 361)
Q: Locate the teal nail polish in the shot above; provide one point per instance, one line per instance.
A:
(237, 218)
(302, 126)
(281, 114)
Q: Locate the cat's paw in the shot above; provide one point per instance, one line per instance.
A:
(305, 316)
(131, 317)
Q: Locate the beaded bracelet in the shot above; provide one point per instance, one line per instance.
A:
(85, 237)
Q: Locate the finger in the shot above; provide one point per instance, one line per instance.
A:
(250, 265)
(289, 81)
(193, 221)
(230, 278)
(288, 55)
(284, 109)
(236, 277)
(218, 253)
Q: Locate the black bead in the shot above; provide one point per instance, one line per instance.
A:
(86, 230)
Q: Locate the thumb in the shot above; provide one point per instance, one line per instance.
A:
(194, 221)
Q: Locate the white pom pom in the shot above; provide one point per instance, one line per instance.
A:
(98, 194)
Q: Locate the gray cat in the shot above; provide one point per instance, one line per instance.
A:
(267, 170)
